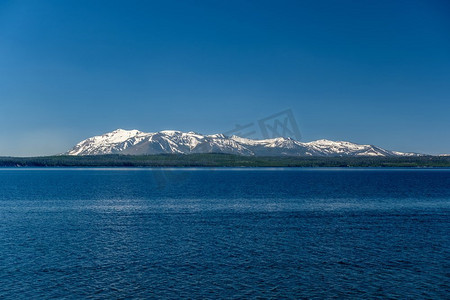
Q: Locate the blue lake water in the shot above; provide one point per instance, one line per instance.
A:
(224, 233)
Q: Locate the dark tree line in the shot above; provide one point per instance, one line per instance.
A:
(220, 160)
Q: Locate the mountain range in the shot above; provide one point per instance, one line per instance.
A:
(135, 142)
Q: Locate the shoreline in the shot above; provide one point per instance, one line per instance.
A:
(213, 160)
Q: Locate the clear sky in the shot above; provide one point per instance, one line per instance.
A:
(373, 72)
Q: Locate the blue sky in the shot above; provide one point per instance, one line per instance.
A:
(364, 71)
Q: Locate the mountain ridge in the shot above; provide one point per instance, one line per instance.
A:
(135, 142)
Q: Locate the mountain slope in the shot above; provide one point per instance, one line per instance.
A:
(135, 142)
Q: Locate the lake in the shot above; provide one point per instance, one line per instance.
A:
(224, 233)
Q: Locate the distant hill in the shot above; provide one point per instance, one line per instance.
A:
(135, 142)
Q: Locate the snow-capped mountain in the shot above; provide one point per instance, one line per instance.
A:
(135, 142)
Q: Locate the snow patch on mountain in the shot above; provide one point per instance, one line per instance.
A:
(135, 142)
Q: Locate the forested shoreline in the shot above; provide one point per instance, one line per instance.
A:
(220, 160)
